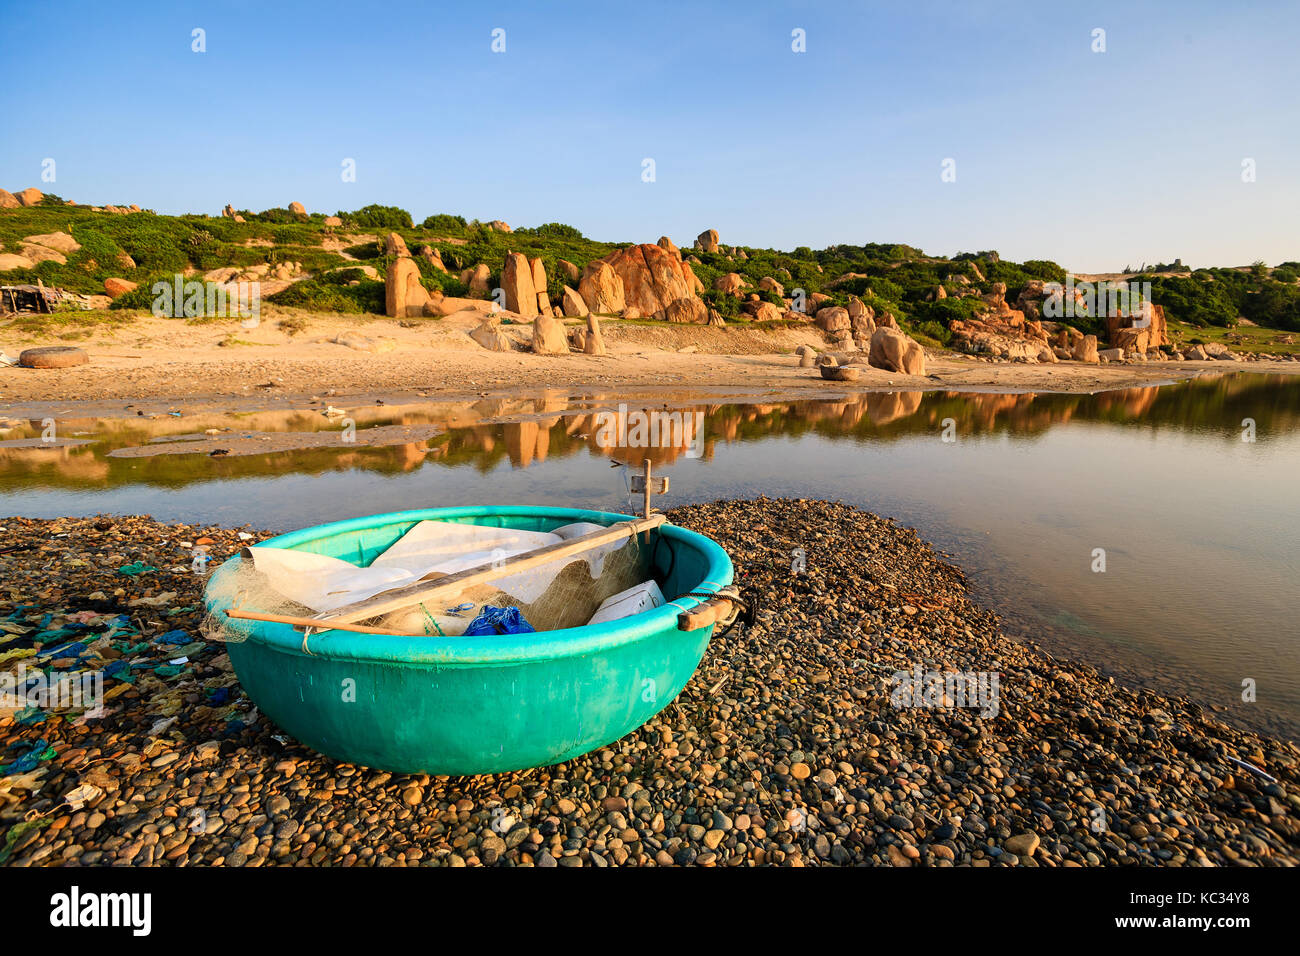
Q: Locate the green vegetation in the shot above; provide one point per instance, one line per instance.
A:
(145, 248)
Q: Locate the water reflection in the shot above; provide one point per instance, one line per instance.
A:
(530, 431)
(1200, 527)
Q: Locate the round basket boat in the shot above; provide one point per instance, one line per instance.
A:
(472, 705)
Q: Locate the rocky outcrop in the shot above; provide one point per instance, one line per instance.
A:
(761, 311)
(572, 304)
(601, 288)
(489, 335)
(298, 209)
(433, 257)
(896, 352)
(8, 200)
(652, 278)
(1085, 349)
(667, 245)
(573, 273)
(834, 318)
(707, 241)
(332, 222)
(116, 287)
(687, 310)
(498, 226)
(1130, 340)
(594, 342)
(477, 279)
(548, 336)
(395, 245)
(517, 283)
(730, 283)
(1148, 317)
(404, 296)
(768, 284)
(539, 287)
(30, 196)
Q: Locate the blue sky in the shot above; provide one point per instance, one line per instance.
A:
(1096, 160)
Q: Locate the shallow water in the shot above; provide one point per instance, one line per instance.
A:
(1200, 528)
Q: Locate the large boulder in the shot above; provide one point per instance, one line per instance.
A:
(1131, 340)
(687, 310)
(489, 335)
(707, 241)
(667, 245)
(498, 225)
(30, 196)
(477, 279)
(539, 286)
(331, 222)
(594, 343)
(570, 269)
(9, 260)
(404, 296)
(896, 352)
(61, 241)
(572, 304)
(762, 311)
(601, 288)
(768, 284)
(433, 257)
(1085, 349)
(8, 200)
(395, 245)
(652, 278)
(834, 318)
(116, 287)
(730, 284)
(517, 282)
(548, 336)
(298, 209)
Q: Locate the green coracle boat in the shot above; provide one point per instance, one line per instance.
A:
(473, 705)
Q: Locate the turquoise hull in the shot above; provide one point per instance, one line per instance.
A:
(471, 705)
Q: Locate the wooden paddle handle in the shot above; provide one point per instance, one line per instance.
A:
(702, 615)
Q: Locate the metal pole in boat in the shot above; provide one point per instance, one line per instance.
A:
(646, 512)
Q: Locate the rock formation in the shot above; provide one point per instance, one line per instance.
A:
(896, 352)
(517, 283)
(601, 288)
(707, 241)
(548, 336)
(404, 296)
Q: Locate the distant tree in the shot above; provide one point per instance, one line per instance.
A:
(375, 216)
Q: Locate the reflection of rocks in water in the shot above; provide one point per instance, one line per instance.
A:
(77, 463)
(631, 435)
(887, 407)
(1133, 401)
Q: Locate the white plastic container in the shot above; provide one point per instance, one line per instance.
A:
(643, 597)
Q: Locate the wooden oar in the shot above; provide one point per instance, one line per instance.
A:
(306, 622)
(421, 592)
(703, 614)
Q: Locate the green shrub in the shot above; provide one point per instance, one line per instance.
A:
(445, 224)
(375, 216)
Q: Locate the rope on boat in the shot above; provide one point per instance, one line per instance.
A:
(744, 610)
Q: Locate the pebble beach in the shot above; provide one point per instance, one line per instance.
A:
(791, 746)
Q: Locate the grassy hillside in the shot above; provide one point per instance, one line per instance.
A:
(898, 278)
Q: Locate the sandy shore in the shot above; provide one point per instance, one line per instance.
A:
(790, 746)
(197, 364)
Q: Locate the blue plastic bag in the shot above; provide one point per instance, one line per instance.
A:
(498, 620)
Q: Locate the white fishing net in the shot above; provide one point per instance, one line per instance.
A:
(563, 593)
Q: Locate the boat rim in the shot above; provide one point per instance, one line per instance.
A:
(422, 650)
